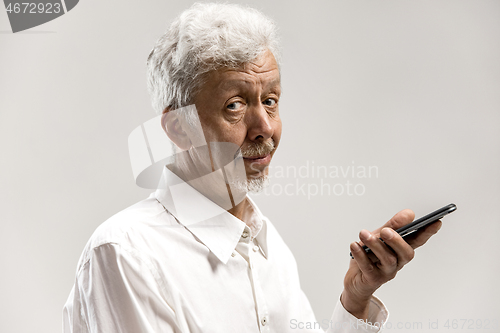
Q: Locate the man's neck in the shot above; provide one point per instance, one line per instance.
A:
(185, 173)
(239, 209)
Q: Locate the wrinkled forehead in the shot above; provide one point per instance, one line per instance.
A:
(263, 71)
(229, 84)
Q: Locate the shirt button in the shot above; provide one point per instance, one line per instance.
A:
(255, 248)
(244, 234)
(263, 321)
(233, 254)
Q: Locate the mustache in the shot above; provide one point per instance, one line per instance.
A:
(258, 149)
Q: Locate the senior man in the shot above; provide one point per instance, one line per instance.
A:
(198, 255)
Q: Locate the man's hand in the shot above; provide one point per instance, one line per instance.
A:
(366, 275)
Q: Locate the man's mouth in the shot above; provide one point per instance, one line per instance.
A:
(258, 154)
(258, 159)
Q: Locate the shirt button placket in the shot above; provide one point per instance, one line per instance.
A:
(259, 295)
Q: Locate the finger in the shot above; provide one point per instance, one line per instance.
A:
(404, 252)
(364, 263)
(401, 218)
(421, 237)
(388, 259)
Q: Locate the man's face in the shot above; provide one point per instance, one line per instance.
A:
(241, 106)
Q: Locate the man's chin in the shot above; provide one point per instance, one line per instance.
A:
(256, 185)
(251, 185)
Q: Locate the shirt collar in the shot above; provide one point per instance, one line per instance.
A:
(261, 226)
(217, 229)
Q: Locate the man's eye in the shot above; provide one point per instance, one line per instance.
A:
(270, 102)
(234, 106)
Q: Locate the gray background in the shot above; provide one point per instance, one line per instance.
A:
(412, 87)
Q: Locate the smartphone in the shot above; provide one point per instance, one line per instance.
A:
(420, 223)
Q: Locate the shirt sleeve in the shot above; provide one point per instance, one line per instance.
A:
(117, 291)
(344, 322)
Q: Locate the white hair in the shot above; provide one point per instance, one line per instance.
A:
(205, 37)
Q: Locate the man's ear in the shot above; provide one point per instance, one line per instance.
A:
(172, 126)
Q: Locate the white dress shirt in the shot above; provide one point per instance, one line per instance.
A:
(163, 265)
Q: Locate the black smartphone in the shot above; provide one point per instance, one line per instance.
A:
(420, 223)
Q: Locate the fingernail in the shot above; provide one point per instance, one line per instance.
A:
(354, 247)
(364, 234)
(387, 233)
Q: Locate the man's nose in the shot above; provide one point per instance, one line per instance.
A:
(259, 124)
